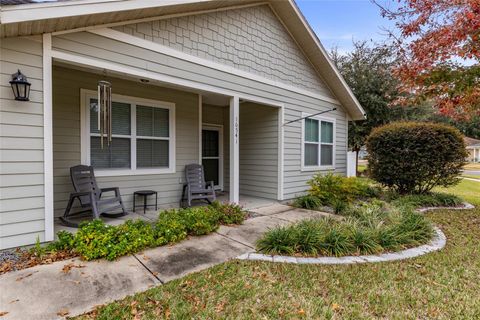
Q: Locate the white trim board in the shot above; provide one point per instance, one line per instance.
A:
(200, 125)
(156, 47)
(86, 95)
(48, 136)
(65, 9)
(281, 150)
(164, 17)
(325, 54)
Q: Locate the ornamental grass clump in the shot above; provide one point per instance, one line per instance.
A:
(308, 201)
(428, 200)
(367, 228)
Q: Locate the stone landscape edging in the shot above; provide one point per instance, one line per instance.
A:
(437, 243)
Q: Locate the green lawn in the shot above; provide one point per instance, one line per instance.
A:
(362, 167)
(471, 176)
(441, 285)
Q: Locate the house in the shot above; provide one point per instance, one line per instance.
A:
(473, 149)
(223, 83)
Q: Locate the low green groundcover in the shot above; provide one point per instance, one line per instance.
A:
(95, 239)
(368, 228)
(339, 192)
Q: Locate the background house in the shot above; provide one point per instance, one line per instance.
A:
(473, 148)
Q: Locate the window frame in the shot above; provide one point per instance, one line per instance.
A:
(318, 167)
(86, 95)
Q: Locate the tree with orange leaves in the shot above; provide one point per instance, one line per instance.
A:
(439, 52)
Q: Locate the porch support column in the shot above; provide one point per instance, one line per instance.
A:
(234, 150)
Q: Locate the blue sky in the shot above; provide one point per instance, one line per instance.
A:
(337, 22)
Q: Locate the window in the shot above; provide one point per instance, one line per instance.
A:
(142, 137)
(318, 143)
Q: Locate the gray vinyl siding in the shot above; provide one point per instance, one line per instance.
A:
(22, 214)
(258, 150)
(249, 39)
(100, 48)
(66, 137)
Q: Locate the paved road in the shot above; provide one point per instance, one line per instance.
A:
(472, 172)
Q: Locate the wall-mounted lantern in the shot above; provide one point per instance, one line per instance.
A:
(20, 86)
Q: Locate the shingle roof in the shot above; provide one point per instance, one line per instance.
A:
(17, 2)
(471, 141)
(14, 2)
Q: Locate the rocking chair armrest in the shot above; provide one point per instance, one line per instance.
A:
(114, 189)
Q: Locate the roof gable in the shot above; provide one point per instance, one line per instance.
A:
(76, 15)
(251, 39)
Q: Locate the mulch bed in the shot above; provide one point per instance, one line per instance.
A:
(19, 259)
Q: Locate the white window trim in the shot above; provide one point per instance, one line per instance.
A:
(86, 95)
(302, 159)
(219, 128)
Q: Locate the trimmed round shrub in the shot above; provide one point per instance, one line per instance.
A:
(415, 157)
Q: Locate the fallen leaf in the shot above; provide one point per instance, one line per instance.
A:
(66, 268)
(3, 313)
(25, 276)
(336, 306)
(63, 312)
(301, 312)
(220, 306)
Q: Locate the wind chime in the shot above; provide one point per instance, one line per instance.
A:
(105, 111)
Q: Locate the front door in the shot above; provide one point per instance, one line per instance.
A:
(212, 155)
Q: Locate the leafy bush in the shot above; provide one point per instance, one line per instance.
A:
(307, 202)
(65, 242)
(414, 157)
(230, 213)
(95, 239)
(200, 220)
(366, 229)
(169, 228)
(332, 187)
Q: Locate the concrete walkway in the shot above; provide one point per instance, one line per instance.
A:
(73, 287)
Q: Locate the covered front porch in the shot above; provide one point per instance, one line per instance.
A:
(249, 203)
(158, 129)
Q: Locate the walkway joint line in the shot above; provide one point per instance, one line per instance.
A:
(148, 269)
(234, 240)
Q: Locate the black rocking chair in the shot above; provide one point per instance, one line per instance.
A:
(196, 188)
(89, 195)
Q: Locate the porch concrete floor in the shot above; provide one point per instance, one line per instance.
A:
(42, 292)
(248, 202)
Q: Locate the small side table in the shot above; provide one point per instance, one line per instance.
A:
(145, 194)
